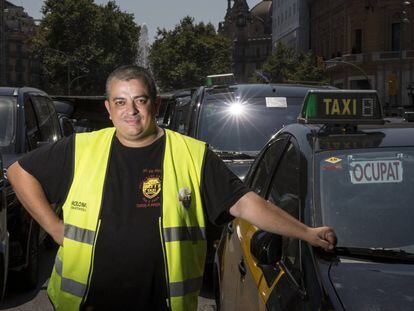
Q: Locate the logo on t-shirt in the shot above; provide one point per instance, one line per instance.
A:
(151, 187)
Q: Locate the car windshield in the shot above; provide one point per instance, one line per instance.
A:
(7, 122)
(367, 196)
(244, 125)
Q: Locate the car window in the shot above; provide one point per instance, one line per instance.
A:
(194, 105)
(47, 120)
(180, 116)
(284, 192)
(54, 117)
(229, 123)
(266, 165)
(32, 128)
(363, 191)
(7, 121)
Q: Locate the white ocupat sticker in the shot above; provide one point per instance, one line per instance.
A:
(376, 171)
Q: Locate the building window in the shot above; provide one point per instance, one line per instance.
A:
(396, 37)
(257, 52)
(357, 48)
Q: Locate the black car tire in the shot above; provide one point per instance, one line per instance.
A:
(30, 274)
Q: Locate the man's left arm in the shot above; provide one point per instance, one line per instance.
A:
(269, 217)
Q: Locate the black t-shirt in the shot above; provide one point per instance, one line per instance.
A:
(122, 277)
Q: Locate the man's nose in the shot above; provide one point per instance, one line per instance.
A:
(131, 107)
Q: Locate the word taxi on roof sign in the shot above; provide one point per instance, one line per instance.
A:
(341, 106)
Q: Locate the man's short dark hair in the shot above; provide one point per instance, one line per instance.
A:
(131, 72)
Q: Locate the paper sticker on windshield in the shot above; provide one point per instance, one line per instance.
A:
(276, 102)
(333, 160)
(376, 171)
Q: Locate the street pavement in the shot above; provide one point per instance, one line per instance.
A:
(18, 299)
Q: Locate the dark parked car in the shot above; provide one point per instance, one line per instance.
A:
(171, 108)
(237, 120)
(28, 120)
(340, 166)
(81, 113)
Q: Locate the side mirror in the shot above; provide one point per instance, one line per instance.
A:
(266, 248)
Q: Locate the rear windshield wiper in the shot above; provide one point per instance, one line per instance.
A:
(389, 254)
(233, 154)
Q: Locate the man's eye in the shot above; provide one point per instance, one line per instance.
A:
(141, 100)
(119, 103)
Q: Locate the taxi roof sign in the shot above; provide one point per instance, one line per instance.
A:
(341, 107)
(221, 79)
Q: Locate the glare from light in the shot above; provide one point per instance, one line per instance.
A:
(236, 108)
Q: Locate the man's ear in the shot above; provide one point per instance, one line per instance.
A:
(108, 108)
(157, 104)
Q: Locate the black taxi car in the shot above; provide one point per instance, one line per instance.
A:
(28, 120)
(236, 120)
(342, 166)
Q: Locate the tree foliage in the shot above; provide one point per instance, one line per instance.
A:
(284, 65)
(183, 57)
(79, 43)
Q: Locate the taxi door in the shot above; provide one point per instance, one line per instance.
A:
(4, 236)
(277, 275)
(253, 290)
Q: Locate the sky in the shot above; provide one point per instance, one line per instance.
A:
(161, 13)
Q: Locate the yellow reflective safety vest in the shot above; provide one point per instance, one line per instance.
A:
(181, 225)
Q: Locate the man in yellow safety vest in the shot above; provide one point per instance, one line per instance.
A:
(134, 201)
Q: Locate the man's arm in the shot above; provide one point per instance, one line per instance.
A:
(30, 193)
(269, 217)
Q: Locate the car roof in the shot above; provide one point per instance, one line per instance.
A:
(13, 91)
(267, 90)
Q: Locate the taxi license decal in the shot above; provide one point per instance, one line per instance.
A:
(333, 160)
(376, 171)
(276, 102)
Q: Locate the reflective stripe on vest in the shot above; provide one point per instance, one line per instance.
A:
(183, 288)
(184, 234)
(79, 234)
(68, 285)
(183, 226)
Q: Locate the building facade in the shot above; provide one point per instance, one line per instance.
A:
(291, 24)
(17, 66)
(367, 44)
(251, 32)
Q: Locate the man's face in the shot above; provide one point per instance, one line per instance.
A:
(131, 111)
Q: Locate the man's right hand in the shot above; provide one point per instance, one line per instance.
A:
(58, 232)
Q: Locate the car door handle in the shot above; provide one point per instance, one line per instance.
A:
(242, 268)
(230, 228)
